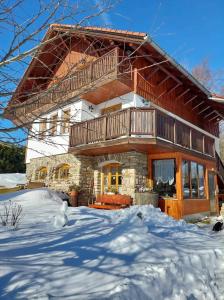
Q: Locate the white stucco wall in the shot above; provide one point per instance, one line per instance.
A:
(82, 110)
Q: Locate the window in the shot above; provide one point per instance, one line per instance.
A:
(65, 122)
(111, 109)
(43, 128)
(111, 178)
(164, 177)
(41, 174)
(53, 124)
(193, 180)
(62, 172)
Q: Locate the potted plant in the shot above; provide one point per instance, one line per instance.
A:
(74, 190)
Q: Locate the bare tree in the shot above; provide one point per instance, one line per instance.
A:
(22, 29)
(212, 80)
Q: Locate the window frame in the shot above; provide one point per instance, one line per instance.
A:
(58, 173)
(53, 130)
(65, 121)
(190, 162)
(175, 176)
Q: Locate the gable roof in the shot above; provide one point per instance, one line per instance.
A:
(141, 38)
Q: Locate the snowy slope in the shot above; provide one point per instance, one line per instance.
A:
(107, 254)
(12, 179)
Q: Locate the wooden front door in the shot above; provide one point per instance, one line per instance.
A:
(111, 179)
(211, 191)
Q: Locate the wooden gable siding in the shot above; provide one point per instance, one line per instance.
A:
(168, 97)
(78, 55)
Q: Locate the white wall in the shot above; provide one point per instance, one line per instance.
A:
(82, 110)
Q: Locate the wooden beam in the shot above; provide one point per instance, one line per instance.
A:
(200, 112)
(173, 88)
(213, 118)
(209, 114)
(191, 99)
(183, 93)
(153, 73)
(198, 105)
(163, 80)
(159, 64)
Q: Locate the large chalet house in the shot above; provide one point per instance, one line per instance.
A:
(110, 111)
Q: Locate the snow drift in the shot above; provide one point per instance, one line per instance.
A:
(12, 179)
(107, 254)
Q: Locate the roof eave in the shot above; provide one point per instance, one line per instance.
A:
(179, 67)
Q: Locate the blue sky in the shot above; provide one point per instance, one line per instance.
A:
(189, 30)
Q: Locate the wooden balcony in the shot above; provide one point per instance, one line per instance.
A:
(79, 83)
(137, 128)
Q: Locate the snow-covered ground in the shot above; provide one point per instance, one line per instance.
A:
(107, 254)
(12, 179)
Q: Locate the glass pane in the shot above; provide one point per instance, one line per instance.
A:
(201, 181)
(164, 177)
(113, 180)
(186, 179)
(194, 180)
(105, 182)
(119, 180)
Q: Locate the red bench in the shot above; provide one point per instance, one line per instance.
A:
(112, 202)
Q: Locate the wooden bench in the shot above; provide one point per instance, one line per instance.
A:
(35, 185)
(112, 202)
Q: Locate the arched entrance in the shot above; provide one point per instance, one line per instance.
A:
(111, 178)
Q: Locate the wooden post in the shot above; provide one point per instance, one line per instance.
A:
(135, 80)
(128, 125)
(105, 128)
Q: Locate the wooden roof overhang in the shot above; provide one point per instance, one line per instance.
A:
(47, 57)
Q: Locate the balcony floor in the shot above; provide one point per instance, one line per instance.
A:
(126, 144)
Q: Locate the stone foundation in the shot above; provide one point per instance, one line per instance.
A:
(86, 172)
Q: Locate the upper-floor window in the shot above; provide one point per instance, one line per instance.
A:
(65, 121)
(111, 109)
(42, 128)
(53, 124)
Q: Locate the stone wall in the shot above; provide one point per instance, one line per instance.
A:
(86, 172)
(80, 173)
(134, 170)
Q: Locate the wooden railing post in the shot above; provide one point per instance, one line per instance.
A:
(154, 122)
(174, 131)
(86, 133)
(105, 128)
(203, 144)
(135, 80)
(190, 138)
(128, 124)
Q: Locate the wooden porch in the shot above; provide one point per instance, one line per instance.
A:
(141, 128)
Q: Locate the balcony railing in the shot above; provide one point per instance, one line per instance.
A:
(140, 122)
(99, 69)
